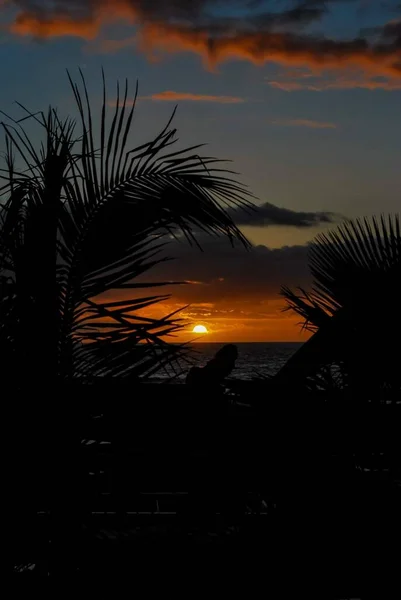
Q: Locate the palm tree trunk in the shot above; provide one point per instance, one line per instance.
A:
(61, 442)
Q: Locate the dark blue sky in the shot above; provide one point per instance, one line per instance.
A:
(303, 96)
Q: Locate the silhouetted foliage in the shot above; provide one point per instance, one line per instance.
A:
(352, 310)
(85, 213)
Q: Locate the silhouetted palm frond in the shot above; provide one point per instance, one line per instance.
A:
(84, 214)
(353, 306)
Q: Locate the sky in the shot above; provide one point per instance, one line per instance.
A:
(303, 96)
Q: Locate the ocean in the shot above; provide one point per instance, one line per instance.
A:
(255, 359)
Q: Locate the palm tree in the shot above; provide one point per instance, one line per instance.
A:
(82, 216)
(85, 214)
(353, 310)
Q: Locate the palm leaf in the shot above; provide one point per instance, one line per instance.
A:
(357, 275)
(85, 214)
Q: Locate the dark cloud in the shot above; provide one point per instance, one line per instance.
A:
(392, 32)
(195, 12)
(300, 15)
(221, 273)
(269, 214)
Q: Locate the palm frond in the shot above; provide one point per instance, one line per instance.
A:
(352, 308)
(86, 213)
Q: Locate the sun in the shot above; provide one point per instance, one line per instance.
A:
(199, 329)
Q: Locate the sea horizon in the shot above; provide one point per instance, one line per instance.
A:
(247, 342)
(255, 359)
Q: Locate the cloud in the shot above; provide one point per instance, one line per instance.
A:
(234, 292)
(391, 31)
(346, 80)
(269, 214)
(171, 96)
(39, 18)
(226, 274)
(258, 35)
(305, 123)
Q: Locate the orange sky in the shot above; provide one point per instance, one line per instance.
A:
(233, 292)
(261, 324)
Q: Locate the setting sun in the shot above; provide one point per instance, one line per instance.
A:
(199, 329)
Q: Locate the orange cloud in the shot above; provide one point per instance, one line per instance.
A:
(386, 84)
(305, 123)
(170, 96)
(256, 43)
(293, 86)
(282, 48)
(65, 23)
(28, 24)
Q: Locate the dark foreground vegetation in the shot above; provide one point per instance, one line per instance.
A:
(156, 478)
(293, 481)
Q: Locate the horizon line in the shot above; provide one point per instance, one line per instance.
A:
(241, 342)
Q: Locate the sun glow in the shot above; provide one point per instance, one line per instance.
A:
(199, 329)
